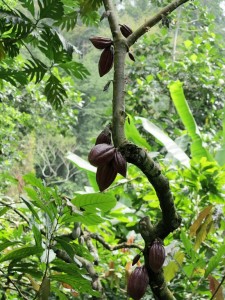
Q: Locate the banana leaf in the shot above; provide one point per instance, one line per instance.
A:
(177, 94)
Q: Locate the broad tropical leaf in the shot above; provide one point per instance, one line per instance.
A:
(95, 201)
(177, 95)
(169, 144)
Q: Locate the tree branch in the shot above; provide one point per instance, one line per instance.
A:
(153, 21)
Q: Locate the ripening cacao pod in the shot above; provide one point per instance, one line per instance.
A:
(138, 283)
(156, 255)
(100, 42)
(105, 175)
(106, 61)
(101, 154)
(125, 30)
(120, 163)
(104, 137)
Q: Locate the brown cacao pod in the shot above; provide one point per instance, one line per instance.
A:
(101, 154)
(104, 137)
(125, 30)
(105, 175)
(106, 61)
(120, 163)
(100, 42)
(138, 283)
(156, 256)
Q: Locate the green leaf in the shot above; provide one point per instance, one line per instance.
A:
(51, 9)
(35, 69)
(55, 91)
(13, 76)
(3, 211)
(177, 95)
(76, 282)
(173, 266)
(75, 69)
(89, 219)
(28, 4)
(21, 253)
(59, 293)
(7, 244)
(215, 260)
(133, 134)
(37, 236)
(188, 245)
(68, 21)
(86, 166)
(94, 202)
(220, 155)
(169, 144)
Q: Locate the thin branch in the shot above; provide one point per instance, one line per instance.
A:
(113, 248)
(217, 289)
(15, 286)
(153, 21)
(176, 34)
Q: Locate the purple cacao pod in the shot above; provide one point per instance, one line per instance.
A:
(125, 30)
(120, 163)
(137, 283)
(106, 61)
(104, 137)
(101, 154)
(105, 175)
(156, 255)
(100, 42)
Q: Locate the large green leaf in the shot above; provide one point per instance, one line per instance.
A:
(76, 282)
(21, 253)
(215, 260)
(96, 201)
(183, 109)
(133, 134)
(220, 155)
(83, 164)
(169, 144)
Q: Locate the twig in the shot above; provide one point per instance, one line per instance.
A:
(217, 289)
(113, 248)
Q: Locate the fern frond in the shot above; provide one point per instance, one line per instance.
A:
(16, 23)
(54, 46)
(50, 9)
(75, 69)
(29, 5)
(68, 21)
(13, 76)
(55, 91)
(12, 49)
(35, 69)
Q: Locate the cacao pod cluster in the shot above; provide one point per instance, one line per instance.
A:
(107, 56)
(156, 255)
(137, 283)
(108, 160)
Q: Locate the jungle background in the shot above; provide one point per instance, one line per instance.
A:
(56, 235)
